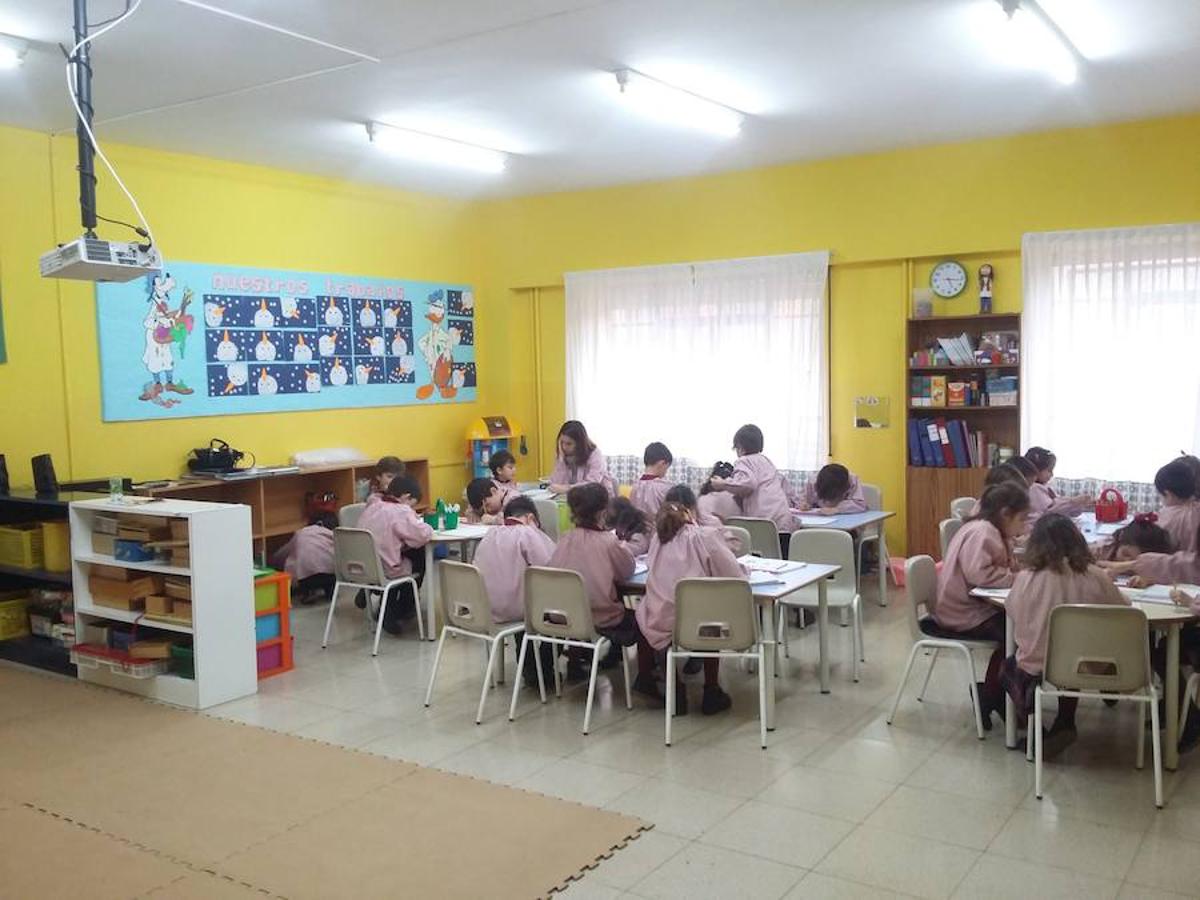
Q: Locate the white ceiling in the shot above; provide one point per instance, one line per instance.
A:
(820, 78)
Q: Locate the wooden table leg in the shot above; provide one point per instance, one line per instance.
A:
(823, 634)
(1170, 752)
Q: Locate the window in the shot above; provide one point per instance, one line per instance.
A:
(685, 354)
(1112, 348)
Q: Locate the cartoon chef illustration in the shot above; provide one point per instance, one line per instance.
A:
(437, 347)
(164, 328)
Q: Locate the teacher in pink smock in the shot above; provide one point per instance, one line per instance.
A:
(578, 461)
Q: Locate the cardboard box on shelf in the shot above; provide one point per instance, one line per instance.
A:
(179, 529)
(142, 534)
(181, 556)
(94, 633)
(136, 520)
(182, 609)
(104, 543)
(155, 648)
(116, 573)
(178, 587)
(159, 605)
(121, 594)
(129, 604)
(105, 524)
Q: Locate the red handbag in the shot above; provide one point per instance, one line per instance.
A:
(1111, 506)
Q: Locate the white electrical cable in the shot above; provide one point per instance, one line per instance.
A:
(71, 57)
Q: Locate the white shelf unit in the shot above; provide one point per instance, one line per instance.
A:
(222, 580)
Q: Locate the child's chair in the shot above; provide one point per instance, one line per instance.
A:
(359, 569)
(742, 536)
(960, 507)
(349, 514)
(873, 533)
(947, 529)
(764, 535)
(557, 612)
(547, 511)
(1101, 652)
(468, 612)
(827, 546)
(715, 618)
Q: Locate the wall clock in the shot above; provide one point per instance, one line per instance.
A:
(948, 279)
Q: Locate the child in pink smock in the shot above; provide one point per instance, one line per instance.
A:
(1042, 498)
(485, 503)
(578, 461)
(398, 531)
(980, 555)
(506, 552)
(834, 492)
(308, 558)
(682, 549)
(712, 504)
(649, 490)
(504, 474)
(1180, 512)
(630, 525)
(757, 485)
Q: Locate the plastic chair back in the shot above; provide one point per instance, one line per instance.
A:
(832, 547)
(1098, 648)
(764, 535)
(960, 507)
(742, 536)
(920, 578)
(349, 514)
(947, 529)
(465, 602)
(356, 558)
(873, 495)
(556, 604)
(714, 614)
(547, 511)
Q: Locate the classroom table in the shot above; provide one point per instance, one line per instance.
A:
(853, 522)
(463, 535)
(1160, 617)
(767, 595)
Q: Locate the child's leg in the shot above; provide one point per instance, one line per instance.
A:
(712, 668)
(1066, 713)
(715, 700)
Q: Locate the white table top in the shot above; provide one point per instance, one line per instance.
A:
(1157, 613)
(790, 581)
(461, 533)
(844, 522)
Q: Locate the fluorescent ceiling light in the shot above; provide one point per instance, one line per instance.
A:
(428, 148)
(1038, 42)
(12, 51)
(677, 106)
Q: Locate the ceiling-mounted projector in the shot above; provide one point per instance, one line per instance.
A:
(94, 259)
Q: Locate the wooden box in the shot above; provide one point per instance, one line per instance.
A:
(159, 605)
(104, 543)
(178, 588)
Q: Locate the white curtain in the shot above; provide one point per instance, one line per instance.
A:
(687, 353)
(1111, 343)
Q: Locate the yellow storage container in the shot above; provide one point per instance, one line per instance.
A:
(14, 619)
(21, 545)
(56, 546)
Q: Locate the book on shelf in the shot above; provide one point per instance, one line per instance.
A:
(948, 444)
(938, 391)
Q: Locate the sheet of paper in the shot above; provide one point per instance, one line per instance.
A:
(640, 567)
(764, 578)
(774, 566)
(809, 521)
(997, 593)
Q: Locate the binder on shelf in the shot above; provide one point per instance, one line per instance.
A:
(958, 444)
(914, 444)
(933, 441)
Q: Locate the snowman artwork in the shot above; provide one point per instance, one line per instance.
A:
(375, 345)
(362, 374)
(312, 381)
(333, 314)
(437, 347)
(468, 301)
(164, 328)
(399, 346)
(213, 314)
(237, 374)
(266, 383)
(227, 350)
(390, 316)
(289, 307)
(263, 317)
(264, 350)
(327, 345)
(338, 375)
(366, 316)
(301, 352)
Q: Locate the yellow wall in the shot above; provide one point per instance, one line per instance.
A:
(886, 217)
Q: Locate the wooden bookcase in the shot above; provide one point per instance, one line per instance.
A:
(930, 489)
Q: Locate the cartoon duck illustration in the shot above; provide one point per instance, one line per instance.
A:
(312, 381)
(227, 350)
(362, 374)
(391, 316)
(213, 314)
(375, 345)
(338, 374)
(437, 347)
(264, 350)
(333, 314)
(399, 346)
(367, 317)
(263, 317)
(289, 307)
(327, 345)
(267, 383)
(301, 352)
(237, 374)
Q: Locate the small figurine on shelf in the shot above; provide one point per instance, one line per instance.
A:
(986, 276)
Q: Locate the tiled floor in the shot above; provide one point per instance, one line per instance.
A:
(840, 805)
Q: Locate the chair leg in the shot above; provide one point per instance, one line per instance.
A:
(587, 711)
(671, 691)
(1189, 694)
(973, 691)
(487, 677)
(383, 602)
(1143, 715)
(1157, 745)
(417, 605)
(1037, 741)
(537, 659)
(929, 674)
(512, 707)
(854, 652)
(628, 684)
(557, 674)
(337, 590)
(437, 661)
(858, 608)
(762, 699)
(903, 680)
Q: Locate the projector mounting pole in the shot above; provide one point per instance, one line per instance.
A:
(83, 91)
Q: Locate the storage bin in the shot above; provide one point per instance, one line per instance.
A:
(270, 591)
(183, 661)
(14, 620)
(56, 546)
(266, 627)
(270, 658)
(21, 545)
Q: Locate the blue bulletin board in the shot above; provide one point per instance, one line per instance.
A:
(205, 340)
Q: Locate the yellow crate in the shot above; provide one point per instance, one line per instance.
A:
(21, 545)
(14, 620)
(56, 546)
